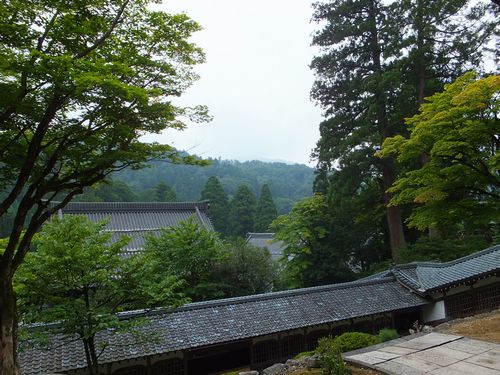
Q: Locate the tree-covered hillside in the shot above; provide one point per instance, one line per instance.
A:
(288, 183)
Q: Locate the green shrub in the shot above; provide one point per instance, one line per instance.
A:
(330, 357)
(386, 334)
(355, 340)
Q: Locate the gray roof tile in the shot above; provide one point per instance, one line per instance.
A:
(140, 219)
(430, 276)
(265, 240)
(212, 322)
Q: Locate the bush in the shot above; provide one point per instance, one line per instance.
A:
(355, 340)
(330, 357)
(386, 334)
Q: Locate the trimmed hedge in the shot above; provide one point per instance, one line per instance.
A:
(386, 334)
(355, 340)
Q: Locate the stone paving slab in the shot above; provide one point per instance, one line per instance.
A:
(489, 359)
(416, 363)
(374, 357)
(428, 341)
(398, 350)
(470, 346)
(441, 355)
(391, 367)
(464, 368)
(433, 353)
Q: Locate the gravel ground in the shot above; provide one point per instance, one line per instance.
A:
(482, 327)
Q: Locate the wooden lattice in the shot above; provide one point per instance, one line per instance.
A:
(292, 345)
(488, 298)
(174, 366)
(133, 370)
(265, 351)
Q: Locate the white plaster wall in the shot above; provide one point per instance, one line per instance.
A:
(434, 312)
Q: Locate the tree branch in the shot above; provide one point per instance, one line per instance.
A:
(106, 35)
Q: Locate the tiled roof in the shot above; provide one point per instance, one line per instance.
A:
(212, 322)
(264, 240)
(137, 220)
(429, 276)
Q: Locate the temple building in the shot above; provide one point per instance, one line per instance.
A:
(259, 330)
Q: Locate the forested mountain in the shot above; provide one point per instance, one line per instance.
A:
(287, 183)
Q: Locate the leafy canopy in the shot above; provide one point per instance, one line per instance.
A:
(311, 256)
(77, 278)
(248, 270)
(188, 252)
(459, 129)
(80, 83)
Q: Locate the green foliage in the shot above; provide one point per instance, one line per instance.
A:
(330, 357)
(355, 340)
(108, 191)
(163, 193)
(242, 212)
(459, 185)
(78, 279)
(311, 256)
(219, 204)
(387, 334)
(188, 252)
(247, 270)
(444, 250)
(367, 88)
(266, 210)
(80, 83)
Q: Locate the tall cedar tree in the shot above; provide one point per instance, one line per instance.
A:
(219, 204)
(81, 81)
(163, 192)
(378, 61)
(447, 39)
(242, 211)
(354, 85)
(266, 210)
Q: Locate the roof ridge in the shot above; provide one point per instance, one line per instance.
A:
(451, 262)
(136, 206)
(255, 297)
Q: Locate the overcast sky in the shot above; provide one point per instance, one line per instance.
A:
(256, 80)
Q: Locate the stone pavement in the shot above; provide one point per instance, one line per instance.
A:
(430, 353)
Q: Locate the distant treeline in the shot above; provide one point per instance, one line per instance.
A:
(287, 183)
